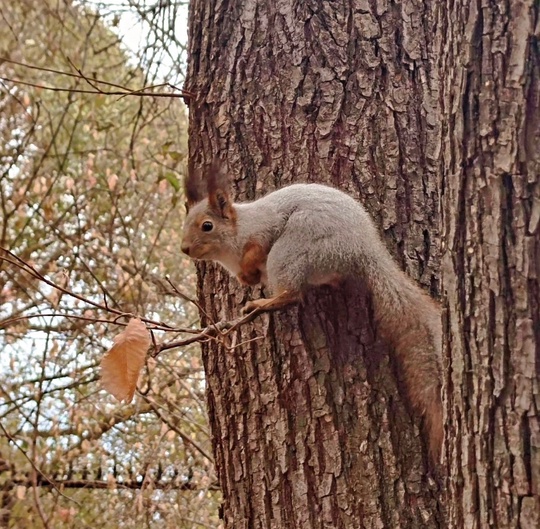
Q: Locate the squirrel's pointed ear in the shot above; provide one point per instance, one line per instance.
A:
(194, 185)
(219, 196)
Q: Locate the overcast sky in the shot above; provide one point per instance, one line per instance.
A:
(134, 31)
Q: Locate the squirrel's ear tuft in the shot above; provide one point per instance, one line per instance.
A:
(194, 188)
(219, 196)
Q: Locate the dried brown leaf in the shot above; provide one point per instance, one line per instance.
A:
(121, 366)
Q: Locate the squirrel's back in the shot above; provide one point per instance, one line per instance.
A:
(319, 228)
(317, 199)
(327, 217)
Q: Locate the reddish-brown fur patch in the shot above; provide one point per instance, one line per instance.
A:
(253, 261)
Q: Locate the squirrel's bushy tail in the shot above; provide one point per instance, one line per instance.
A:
(410, 321)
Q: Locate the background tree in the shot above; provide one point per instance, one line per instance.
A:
(308, 426)
(88, 197)
(490, 89)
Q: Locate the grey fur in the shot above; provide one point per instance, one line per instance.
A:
(316, 234)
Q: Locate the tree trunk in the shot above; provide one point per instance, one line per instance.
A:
(490, 72)
(308, 424)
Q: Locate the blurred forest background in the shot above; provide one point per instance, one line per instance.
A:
(90, 200)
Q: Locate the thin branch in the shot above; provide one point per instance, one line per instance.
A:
(126, 92)
(59, 72)
(29, 269)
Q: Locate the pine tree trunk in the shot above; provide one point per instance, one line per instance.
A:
(309, 427)
(490, 72)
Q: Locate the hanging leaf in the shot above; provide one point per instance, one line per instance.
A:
(121, 366)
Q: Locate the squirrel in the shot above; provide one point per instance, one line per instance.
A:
(312, 234)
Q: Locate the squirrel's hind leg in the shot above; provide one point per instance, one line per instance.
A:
(279, 301)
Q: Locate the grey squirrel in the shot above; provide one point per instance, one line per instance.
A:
(312, 234)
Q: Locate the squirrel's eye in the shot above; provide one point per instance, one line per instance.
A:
(207, 226)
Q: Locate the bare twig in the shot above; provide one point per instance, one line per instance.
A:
(26, 267)
(212, 331)
(126, 92)
(145, 90)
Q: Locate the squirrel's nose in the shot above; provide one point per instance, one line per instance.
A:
(185, 248)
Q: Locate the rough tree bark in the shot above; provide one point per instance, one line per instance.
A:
(490, 73)
(308, 424)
